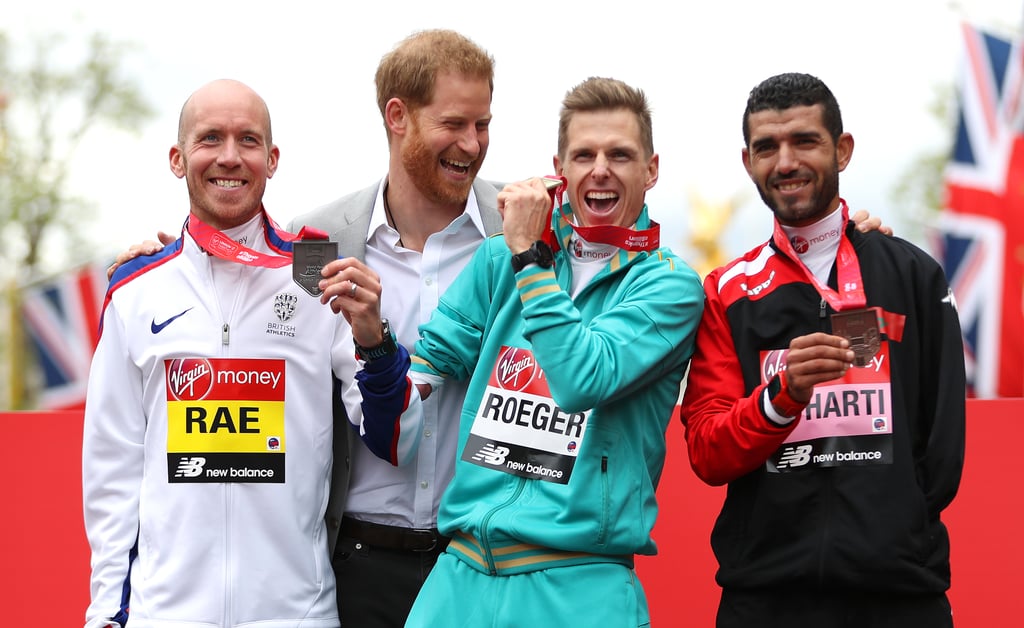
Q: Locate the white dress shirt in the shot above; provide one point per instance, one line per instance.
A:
(412, 284)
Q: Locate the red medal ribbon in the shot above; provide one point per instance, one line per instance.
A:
(219, 245)
(311, 233)
(851, 287)
(621, 237)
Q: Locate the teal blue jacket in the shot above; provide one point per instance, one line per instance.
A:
(617, 352)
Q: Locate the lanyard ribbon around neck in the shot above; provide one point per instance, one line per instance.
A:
(850, 294)
(621, 237)
(214, 242)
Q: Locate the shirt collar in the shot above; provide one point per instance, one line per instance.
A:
(379, 222)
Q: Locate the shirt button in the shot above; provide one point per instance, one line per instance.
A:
(429, 281)
(426, 433)
(423, 485)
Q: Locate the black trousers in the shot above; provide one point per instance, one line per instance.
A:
(377, 586)
(793, 608)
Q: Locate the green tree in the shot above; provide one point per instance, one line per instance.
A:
(920, 188)
(53, 92)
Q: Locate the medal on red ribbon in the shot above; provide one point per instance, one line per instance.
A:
(311, 251)
(852, 320)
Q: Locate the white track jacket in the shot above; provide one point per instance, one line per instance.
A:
(207, 444)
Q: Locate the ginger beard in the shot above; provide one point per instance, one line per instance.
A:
(428, 170)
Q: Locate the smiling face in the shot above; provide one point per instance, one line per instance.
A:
(607, 167)
(224, 153)
(446, 141)
(794, 163)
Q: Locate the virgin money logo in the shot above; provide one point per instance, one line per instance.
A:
(774, 363)
(800, 244)
(515, 368)
(226, 246)
(189, 379)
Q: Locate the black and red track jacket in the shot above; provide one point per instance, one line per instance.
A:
(855, 526)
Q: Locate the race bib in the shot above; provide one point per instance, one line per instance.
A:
(518, 428)
(225, 420)
(847, 423)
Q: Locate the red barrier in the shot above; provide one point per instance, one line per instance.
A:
(42, 538)
(42, 541)
(985, 524)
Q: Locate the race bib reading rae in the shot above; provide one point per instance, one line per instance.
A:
(518, 428)
(225, 420)
(847, 423)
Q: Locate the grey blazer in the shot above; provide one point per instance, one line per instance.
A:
(347, 221)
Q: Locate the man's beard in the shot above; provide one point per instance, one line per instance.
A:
(819, 203)
(423, 169)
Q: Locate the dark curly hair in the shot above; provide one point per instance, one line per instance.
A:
(793, 89)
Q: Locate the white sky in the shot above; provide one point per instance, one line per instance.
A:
(314, 62)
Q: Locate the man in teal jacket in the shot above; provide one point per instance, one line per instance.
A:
(574, 328)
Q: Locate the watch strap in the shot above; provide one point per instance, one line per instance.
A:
(779, 397)
(388, 346)
(538, 253)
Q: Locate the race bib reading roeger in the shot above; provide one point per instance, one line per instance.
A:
(518, 427)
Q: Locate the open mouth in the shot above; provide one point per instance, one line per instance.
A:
(791, 183)
(227, 183)
(458, 167)
(601, 202)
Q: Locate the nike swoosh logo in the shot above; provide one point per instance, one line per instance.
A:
(156, 327)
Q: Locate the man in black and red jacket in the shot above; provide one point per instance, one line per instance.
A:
(828, 392)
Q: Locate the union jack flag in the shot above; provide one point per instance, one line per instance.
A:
(62, 319)
(981, 228)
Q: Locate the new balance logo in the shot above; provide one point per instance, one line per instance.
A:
(491, 454)
(795, 456)
(190, 467)
(156, 327)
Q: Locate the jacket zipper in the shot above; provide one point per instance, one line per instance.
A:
(826, 523)
(485, 544)
(604, 500)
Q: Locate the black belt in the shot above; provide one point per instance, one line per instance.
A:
(394, 537)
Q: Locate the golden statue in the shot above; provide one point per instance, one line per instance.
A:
(708, 221)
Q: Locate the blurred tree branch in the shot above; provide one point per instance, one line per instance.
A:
(47, 107)
(53, 92)
(919, 190)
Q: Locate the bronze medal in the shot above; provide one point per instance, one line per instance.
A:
(308, 259)
(860, 327)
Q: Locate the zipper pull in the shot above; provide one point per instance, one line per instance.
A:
(225, 334)
(821, 312)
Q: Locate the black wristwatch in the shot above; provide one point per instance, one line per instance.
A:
(778, 396)
(388, 346)
(540, 253)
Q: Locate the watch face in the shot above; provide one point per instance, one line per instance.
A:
(544, 255)
(539, 253)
